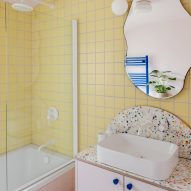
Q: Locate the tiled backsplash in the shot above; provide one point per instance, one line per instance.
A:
(52, 77)
(104, 86)
(15, 78)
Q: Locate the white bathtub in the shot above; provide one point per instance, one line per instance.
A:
(29, 169)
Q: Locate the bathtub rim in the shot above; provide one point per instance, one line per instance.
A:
(49, 176)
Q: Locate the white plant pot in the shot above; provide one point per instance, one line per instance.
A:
(163, 95)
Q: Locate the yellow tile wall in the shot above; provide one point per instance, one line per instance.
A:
(36, 76)
(15, 80)
(104, 88)
(19, 68)
(52, 77)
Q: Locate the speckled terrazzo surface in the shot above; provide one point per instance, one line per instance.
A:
(180, 180)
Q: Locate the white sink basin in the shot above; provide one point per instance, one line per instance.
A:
(146, 157)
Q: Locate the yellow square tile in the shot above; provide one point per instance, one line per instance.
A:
(110, 91)
(100, 90)
(100, 101)
(100, 25)
(181, 109)
(100, 78)
(119, 104)
(91, 89)
(182, 96)
(100, 14)
(100, 111)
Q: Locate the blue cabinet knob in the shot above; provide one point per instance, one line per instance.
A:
(129, 186)
(116, 181)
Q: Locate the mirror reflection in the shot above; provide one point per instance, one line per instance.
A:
(158, 54)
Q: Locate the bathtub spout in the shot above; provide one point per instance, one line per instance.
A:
(45, 145)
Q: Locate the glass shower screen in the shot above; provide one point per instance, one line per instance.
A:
(39, 94)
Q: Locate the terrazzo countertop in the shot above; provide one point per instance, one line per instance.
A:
(180, 180)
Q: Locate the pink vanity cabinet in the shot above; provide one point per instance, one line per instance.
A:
(93, 178)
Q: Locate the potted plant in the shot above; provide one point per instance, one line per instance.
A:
(160, 81)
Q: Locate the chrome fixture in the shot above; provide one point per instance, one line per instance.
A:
(45, 145)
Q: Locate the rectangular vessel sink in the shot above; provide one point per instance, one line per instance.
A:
(147, 157)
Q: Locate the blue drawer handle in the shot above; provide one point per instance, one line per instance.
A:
(116, 181)
(129, 186)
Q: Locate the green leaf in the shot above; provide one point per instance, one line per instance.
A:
(172, 78)
(154, 71)
(160, 88)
